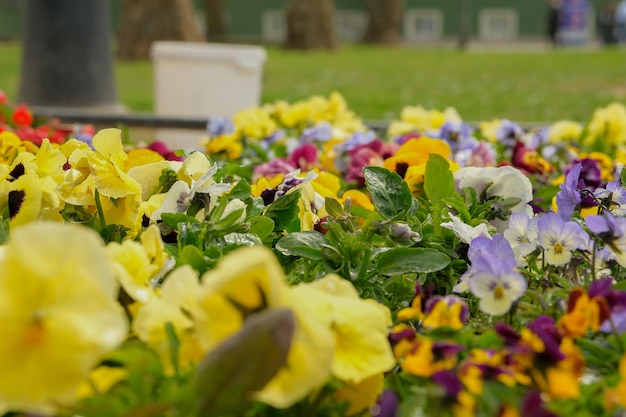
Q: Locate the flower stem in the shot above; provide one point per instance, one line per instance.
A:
(103, 223)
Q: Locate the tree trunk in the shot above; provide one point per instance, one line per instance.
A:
(385, 20)
(310, 24)
(145, 21)
(216, 27)
(58, 34)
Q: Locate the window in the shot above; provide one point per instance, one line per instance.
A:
(423, 25)
(274, 27)
(498, 24)
(350, 25)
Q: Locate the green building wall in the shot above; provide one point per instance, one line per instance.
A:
(245, 16)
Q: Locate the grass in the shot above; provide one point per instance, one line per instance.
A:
(378, 82)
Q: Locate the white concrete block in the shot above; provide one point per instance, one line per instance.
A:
(193, 79)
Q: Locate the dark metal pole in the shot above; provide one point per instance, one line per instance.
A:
(465, 24)
(67, 59)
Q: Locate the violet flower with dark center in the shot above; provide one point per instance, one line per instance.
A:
(591, 173)
(458, 135)
(509, 132)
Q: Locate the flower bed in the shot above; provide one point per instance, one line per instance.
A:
(297, 264)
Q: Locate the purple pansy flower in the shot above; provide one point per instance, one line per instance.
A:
(219, 125)
(569, 197)
(497, 283)
(509, 132)
(386, 405)
(612, 230)
(559, 238)
(321, 132)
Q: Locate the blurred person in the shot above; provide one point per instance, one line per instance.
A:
(607, 23)
(620, 21)
(554, 20)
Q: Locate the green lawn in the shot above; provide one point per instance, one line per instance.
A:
(378, 82)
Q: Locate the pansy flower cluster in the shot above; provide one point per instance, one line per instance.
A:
(304, 264)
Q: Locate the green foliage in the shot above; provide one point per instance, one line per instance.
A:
(284, 211)
(305, 244)
(390, 194)
(398, 261)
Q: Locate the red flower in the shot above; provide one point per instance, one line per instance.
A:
(22, 116)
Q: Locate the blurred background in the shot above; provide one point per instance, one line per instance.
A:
(531, 60)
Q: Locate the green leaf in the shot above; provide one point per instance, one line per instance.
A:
(438, 179)
(438, 185)
(305, 244)
(261, 226)
(333, 207)
(400, 261)
(174, 219)
(242, 239)
(284, 211)
(390, 194)
(4, 230)
(244, 363)
(174, 345)
(191, 255)
(241, 190)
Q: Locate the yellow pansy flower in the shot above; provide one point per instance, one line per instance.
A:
(360, 328)
(564, 131)
(254, 123)
(607, 124)
(101, 380)
(147, 176)
(107, 165)
(22, 198)
(10, 146)
(58, 310)
(141, 156)
(358, 198)
(251, 279)
(444, 315)
(361, 396)
(136, 263)
(176, 301)
(228, 146)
